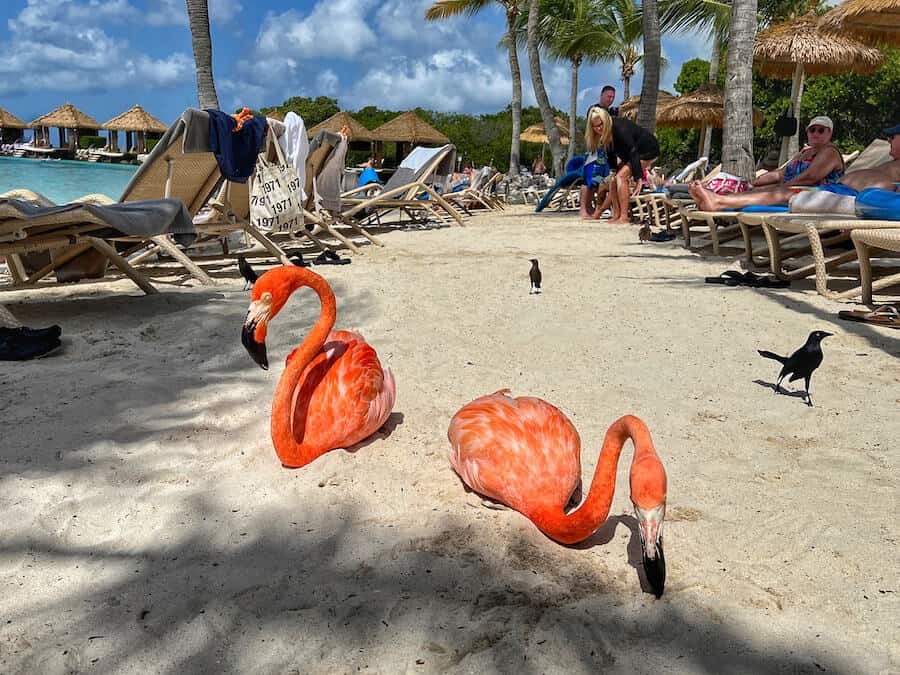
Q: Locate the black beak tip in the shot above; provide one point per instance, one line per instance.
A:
(656, 572)
(256, 350)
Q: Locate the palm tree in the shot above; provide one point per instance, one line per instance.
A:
(646, 116)
(540, 92)
(198, 18)
(444, 9)
(575, 31)
(711, 16)
(624, 24)
(737, 138)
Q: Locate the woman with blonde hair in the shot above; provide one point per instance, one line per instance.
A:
(597, 139)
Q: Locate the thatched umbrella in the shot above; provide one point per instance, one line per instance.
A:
(537, 134)
(870, 21)
(10, 123)
(629, 107)
(65, 118)
(800, 47)
(134, 120)
(702, 108)
(406, 130)
(276, 115)
(340, 120)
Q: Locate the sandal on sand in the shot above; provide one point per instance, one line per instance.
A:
(735, 278)
(330, 258)
(662, 235)
(885, 315)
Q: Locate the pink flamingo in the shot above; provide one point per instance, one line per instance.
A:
(333, 392)
(525, 453)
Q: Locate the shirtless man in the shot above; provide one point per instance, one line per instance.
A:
(886, 176)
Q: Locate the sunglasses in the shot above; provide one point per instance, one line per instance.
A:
(816, 130)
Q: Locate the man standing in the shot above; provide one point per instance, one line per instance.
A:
(607, 96)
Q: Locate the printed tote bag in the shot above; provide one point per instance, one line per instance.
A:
(275, 193)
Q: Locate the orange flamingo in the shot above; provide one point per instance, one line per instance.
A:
(333, 392)
(526, 453)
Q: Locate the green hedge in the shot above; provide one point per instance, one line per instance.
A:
(151, 142)
(85, 142)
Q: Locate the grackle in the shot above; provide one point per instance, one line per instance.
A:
(802, 363)
(645, 232)
(535, 275)
(250, 276)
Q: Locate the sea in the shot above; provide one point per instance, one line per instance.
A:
(62, 180)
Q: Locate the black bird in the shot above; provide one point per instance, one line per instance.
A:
(802, 363)
(535, 275)
(247, 272)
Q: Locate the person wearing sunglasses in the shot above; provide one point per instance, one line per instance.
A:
(885, 176)
(818, 163)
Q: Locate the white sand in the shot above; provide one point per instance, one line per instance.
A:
(148, 527)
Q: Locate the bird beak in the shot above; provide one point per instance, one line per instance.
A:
(650, 526)
(826, 334)
(253, 334)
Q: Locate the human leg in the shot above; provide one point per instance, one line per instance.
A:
(707, 200)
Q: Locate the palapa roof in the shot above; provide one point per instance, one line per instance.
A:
(780, 48)
(702, 108)
(277, 115)
(10, 121)
(135, 119)
(871, 21)
(340, 120)
(537, 134)
(629, 106)
(409, 128)
(66, 116)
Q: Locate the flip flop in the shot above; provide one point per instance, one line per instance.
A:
(333, 259)
(885, 315)
(728, 277)
(662, 235)
(764, 281)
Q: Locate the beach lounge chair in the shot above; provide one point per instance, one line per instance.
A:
(414, 189)
(865, 240)
(65, 232)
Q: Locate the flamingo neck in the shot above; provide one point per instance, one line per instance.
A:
(593, 511)
(289, 450)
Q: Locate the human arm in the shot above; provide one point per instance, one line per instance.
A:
(774, 177)
(825, 161)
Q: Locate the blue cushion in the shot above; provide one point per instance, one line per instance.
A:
(765, 209)
(878, 204)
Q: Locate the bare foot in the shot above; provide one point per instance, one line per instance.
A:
(706, 199)
(619, 221)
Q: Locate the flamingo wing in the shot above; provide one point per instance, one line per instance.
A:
(344, 396)
(521, 451)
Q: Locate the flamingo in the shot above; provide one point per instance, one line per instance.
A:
(525, 453)
(333, 392)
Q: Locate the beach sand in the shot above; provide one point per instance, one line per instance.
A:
(149, 528)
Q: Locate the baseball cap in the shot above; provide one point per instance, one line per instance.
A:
(822, 121)
(893, 131)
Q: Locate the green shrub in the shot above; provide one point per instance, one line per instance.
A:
(151, 142)
(85, 142)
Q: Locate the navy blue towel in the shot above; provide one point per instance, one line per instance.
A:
(235, 151)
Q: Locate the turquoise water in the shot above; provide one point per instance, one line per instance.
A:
(62, 180)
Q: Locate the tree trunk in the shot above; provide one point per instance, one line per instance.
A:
(198, 18)
(790, 145)
(626, 88)
(737, 136)
(714, 57)
(540, 93)
(516, 73)
(573, 108)
(646, 116)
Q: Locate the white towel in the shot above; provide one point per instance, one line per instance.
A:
(295, 144)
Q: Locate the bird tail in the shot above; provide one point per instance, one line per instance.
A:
(770, 355)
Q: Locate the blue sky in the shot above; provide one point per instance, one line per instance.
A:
(106, 55)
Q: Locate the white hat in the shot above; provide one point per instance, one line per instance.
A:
(822, 121)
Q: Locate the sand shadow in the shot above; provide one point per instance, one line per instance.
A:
(782, 391)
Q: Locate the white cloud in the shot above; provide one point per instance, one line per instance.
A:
(334, 28)
(49, 49)
(451, 80)
(327, 82)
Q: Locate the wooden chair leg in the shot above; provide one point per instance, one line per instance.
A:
(106, 249)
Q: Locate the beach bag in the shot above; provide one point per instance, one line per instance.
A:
(726, 183)
(786, 125)
(275, 193)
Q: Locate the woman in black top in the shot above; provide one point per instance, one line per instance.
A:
(634, 149)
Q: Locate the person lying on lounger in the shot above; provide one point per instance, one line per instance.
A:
(886, 177)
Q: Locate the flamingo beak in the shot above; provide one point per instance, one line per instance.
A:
(651, 522)
(253, 334)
